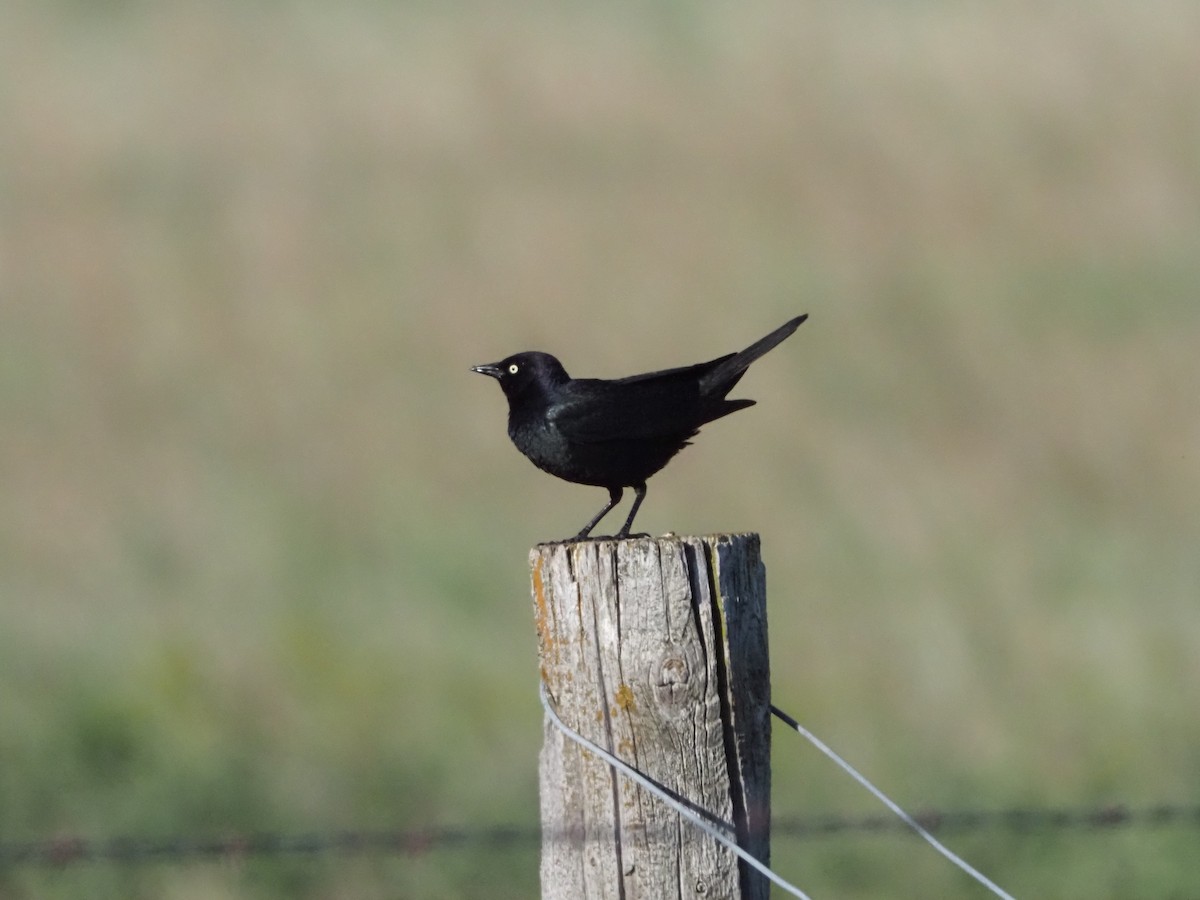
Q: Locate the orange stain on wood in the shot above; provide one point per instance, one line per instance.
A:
(539, 600)
(624, 698)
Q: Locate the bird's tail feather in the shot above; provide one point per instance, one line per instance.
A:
(726, 374)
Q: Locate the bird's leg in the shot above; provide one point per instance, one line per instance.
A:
(614, 497)
(639, 496)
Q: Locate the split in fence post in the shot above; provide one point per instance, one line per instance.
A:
(655, 649)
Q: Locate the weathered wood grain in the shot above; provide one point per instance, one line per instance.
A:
(656, 649)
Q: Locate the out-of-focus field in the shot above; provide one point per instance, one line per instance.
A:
(263, 538)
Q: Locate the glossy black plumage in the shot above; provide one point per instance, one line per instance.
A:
(617, 433)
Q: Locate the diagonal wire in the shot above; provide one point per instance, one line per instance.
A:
(890, 804)
(681, 808)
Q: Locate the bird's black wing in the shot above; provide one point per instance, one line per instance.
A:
(656, 405)
(692, 373)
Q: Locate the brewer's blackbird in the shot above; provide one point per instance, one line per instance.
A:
(616, 434)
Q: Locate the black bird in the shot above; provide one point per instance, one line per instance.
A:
(616, 434)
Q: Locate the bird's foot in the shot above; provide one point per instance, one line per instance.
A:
(591, 538)
(578, 539)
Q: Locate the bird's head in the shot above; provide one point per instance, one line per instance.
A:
(525, 372)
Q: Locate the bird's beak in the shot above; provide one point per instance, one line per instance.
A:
(489, 369)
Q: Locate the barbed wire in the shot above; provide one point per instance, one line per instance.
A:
(1019, 819)
(67, 850)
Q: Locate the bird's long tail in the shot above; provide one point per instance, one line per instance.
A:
(728, 370)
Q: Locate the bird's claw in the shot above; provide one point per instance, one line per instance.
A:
(593, 538)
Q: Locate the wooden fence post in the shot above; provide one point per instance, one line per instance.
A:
(655, 649)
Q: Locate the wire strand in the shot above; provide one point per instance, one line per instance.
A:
(629, 772)
(67, 849)
(890, 804)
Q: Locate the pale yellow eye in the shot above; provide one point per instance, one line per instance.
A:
(512, 369)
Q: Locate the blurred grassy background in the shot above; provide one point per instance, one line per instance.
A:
(262, 537)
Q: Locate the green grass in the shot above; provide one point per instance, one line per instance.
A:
(262, 538)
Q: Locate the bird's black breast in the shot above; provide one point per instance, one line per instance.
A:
(539, 440)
